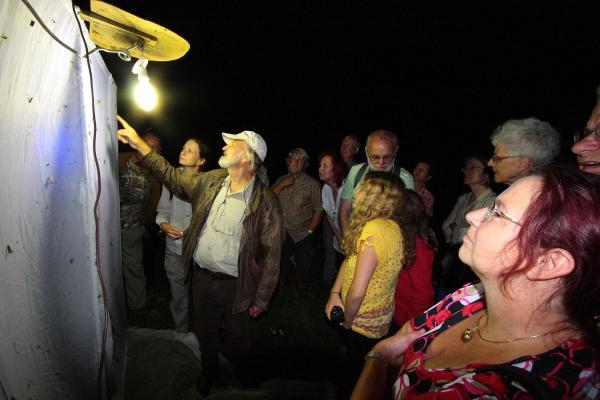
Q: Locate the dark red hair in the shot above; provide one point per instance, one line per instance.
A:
(566, 215)
(340, 169)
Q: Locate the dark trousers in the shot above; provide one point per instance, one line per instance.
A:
(303, 254)
(213, 322)
(357, 347)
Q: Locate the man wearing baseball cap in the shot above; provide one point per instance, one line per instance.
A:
(232, 246)
(302, 208)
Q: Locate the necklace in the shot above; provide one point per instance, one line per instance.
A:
(467, 335)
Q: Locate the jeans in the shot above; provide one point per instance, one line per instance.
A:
(179, 290)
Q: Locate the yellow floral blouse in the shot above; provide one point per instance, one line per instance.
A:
(375, 312)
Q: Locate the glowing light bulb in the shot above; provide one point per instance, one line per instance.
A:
(145, 95)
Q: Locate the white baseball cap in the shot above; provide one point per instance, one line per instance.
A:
(254, 140)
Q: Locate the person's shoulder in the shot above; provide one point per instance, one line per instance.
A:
(355, 168)
(310, 180)
(265, 191)
(381, 224)
(219, 173)
(124, 158)
(489, 192)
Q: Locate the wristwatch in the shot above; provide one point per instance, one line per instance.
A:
(373, 354)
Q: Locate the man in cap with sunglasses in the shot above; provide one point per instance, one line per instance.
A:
(233, 245)
(587, 143)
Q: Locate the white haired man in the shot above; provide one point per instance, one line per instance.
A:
(233, 241)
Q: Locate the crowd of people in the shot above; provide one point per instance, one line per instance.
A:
(510, 317)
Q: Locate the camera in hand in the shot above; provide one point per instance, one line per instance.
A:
(337, 315)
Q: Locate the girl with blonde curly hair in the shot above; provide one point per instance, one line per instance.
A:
(373, 246)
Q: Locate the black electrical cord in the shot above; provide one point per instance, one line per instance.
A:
(96, 216)
(123, 54)
(98, 177)
(39, 20)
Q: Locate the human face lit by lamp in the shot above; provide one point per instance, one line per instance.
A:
(493, 229)
(381, 154)
(233, 154)
(587, 149)
(296, 164)
(190, 156)
(348, 149)
(508, 168)
(474, 173)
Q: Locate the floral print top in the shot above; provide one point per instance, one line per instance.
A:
(377, 308)
(570, 370)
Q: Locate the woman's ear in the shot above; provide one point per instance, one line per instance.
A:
(201, 162)
(554, 263)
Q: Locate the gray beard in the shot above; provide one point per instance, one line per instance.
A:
(387, 169)
(225, 163)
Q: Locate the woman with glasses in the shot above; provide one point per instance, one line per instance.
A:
(374, 249)
(477, 176)
(529, 329)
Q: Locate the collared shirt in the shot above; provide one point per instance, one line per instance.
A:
(456, 225)
(299, 202)
(349, 187)
(218, 245)
(332, 208)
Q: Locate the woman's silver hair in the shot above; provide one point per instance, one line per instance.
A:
(257, 166)
(529, 137)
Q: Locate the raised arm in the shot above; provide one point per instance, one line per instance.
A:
(128, 135)
(177, 181)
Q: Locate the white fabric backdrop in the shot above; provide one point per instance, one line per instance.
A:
(51, 302)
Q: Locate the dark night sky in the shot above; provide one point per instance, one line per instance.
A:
(305, 74)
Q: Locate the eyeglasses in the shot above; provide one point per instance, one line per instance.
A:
(386, 158)
(492, 210)
(471, 168)
(580, 135)
(496, 159)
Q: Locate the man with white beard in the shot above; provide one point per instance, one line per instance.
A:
(232, 248)
(381, 150)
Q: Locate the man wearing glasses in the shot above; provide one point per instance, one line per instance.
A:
(587, 143)
(381, 150)
(233, 242)
(521, 146)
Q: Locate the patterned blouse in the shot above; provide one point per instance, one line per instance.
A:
(569, 371)
(376, 310)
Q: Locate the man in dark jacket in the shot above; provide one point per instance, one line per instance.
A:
(233, 243)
